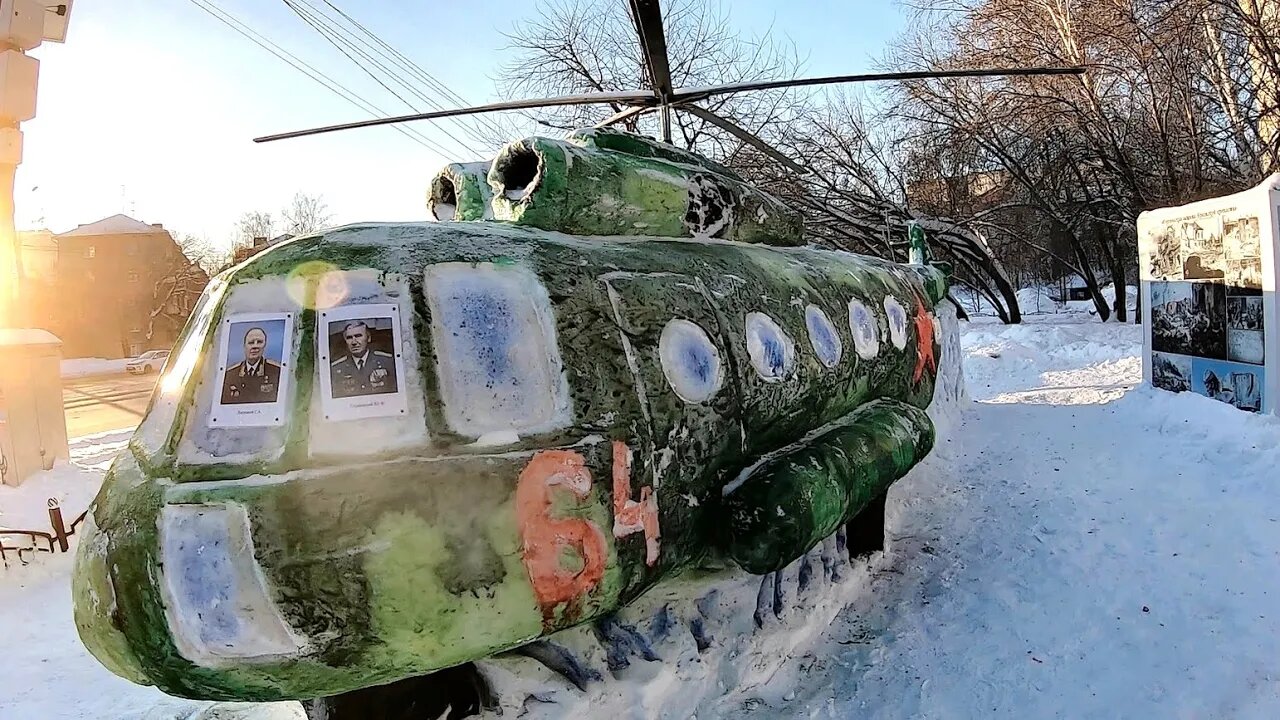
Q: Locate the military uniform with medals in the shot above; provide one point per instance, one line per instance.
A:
(243, 383)
(356, 376)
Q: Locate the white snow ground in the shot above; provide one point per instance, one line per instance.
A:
(1098, 550)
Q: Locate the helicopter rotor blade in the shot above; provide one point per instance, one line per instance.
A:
(637, 97)
(690, 94)
(743, 135)
(625, 115)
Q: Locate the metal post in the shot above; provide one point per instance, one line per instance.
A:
(59, 528)
(666, 123)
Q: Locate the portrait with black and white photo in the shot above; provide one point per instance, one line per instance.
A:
(361, 363)
(364, 362)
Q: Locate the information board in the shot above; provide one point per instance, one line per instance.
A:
(1209, 309)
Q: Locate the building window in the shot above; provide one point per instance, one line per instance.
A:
(90, 251)
(133, 276)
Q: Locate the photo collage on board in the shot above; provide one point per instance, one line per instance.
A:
(1207, 333)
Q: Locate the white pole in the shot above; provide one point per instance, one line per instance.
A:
(10, 310)
(24, 24)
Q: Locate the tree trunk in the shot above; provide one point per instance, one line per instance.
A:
(1090, 280)
(1115, 263)
(1010, 296)
(1118, 281)
(960, 312)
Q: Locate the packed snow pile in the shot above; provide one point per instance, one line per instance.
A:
(1003, 359)
(1094, 549)
(89, 367)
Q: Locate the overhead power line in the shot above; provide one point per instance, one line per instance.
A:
(305, 68)
(346, 42)
(427, 78)
(398, 68)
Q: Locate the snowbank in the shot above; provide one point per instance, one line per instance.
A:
(26, 507)
(1007, 358)
(87, 367)
(23, 336)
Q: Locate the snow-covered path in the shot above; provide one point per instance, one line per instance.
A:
(1098, 552)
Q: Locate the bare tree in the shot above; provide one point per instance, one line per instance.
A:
(255, 224)
(1174, 109)
(199, 250)
(858, 197)
(306, 214)
(1042, 177)
(182, 279)
(576, 46)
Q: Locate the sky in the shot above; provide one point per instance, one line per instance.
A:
(150, 107)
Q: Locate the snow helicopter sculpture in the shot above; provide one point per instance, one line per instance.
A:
(611, 380)
(388, 449)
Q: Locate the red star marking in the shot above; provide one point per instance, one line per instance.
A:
(924, 342)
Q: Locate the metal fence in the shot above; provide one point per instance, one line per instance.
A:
(17, 542)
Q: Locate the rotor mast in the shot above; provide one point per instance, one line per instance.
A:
(653, 41)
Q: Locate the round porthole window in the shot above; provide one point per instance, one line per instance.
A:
(772, 352)
(823, 337)
(690, 361)
(866, 334)
(897, 316)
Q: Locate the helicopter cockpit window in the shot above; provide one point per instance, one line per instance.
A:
(497, 360)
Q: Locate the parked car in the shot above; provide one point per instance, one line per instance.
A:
(148, 362)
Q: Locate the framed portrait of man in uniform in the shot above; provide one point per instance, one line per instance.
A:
(251, 380)
(361, 362)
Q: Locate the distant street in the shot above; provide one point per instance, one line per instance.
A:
(99, 404)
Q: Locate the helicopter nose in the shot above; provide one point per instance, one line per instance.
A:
(94, 606)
